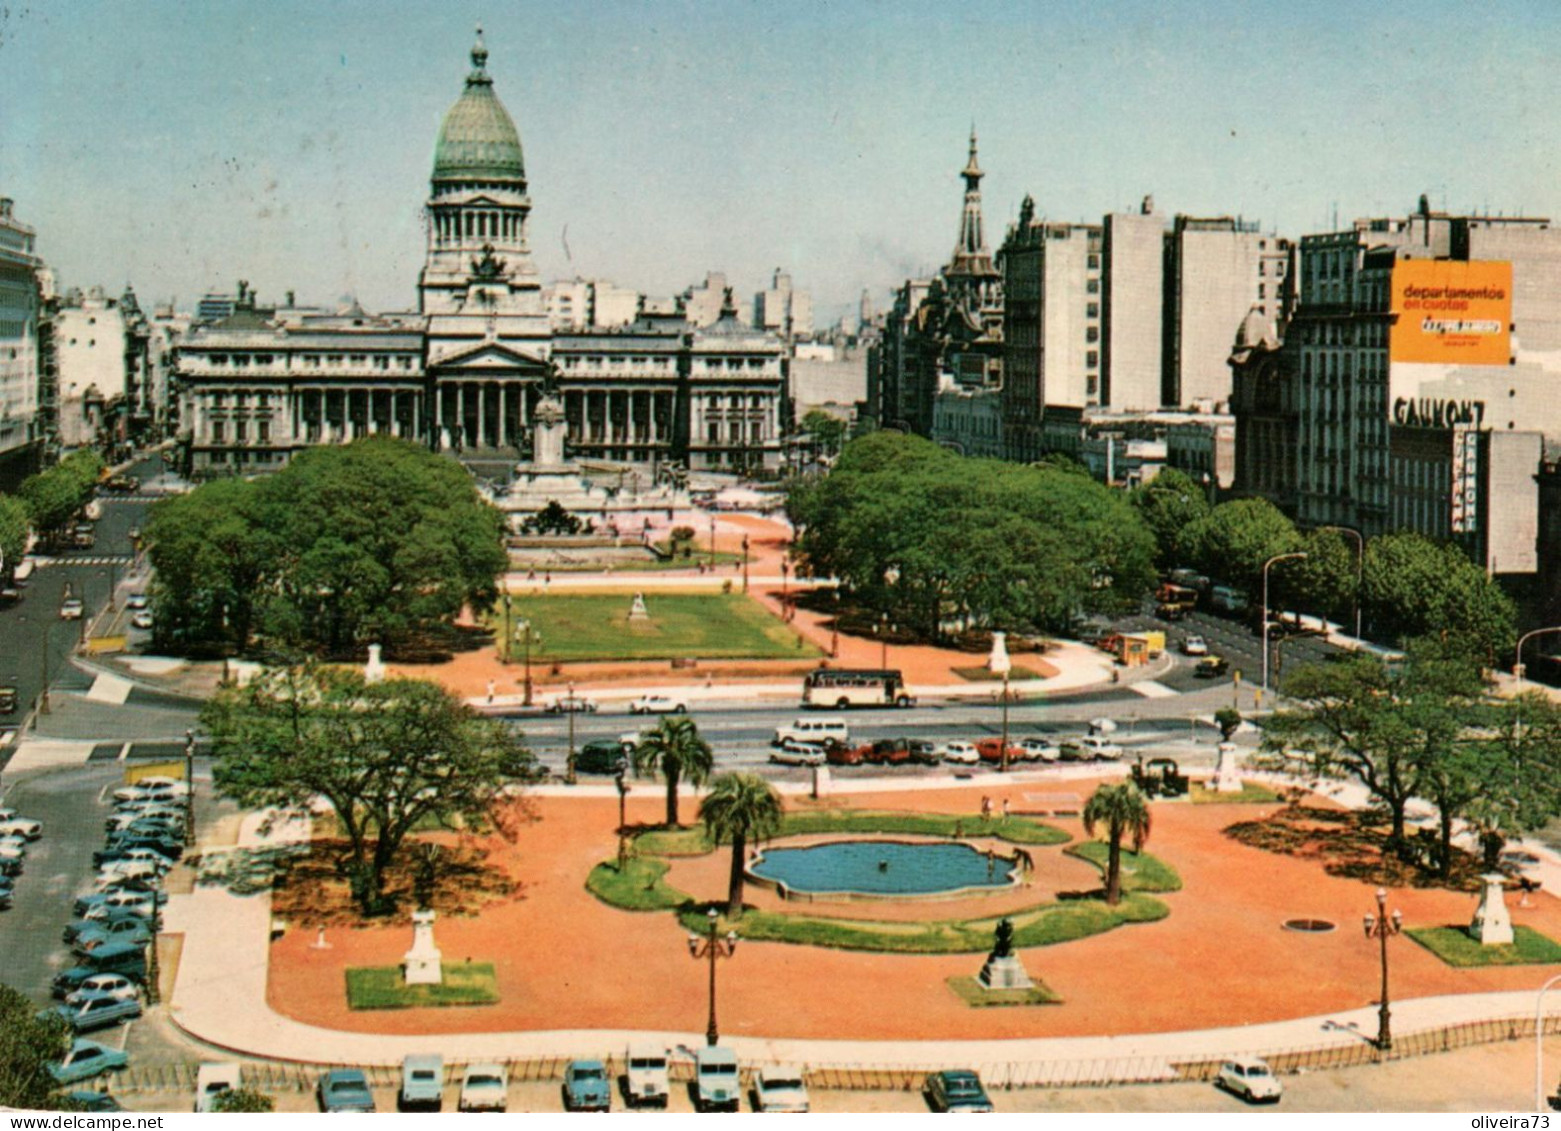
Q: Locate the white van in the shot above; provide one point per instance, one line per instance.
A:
(212, 1080)
(717, 1085)
(648, 1075)
(815, 729)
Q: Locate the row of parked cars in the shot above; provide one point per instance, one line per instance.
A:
(819, 741)
(16, 834)
(115, 920)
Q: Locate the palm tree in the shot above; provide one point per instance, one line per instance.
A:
(674, 749)
(740, 808)
(1122, 810)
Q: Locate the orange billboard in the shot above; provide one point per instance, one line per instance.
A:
(1452, 312)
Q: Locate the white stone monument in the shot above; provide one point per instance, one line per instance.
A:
(637, 611)
(1492, 924)
(998, 663)
(823, 784)
(1227, 777)
(421, 965)
(374, 670)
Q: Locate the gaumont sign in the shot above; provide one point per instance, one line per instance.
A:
(1452, 312)
(1432, 412)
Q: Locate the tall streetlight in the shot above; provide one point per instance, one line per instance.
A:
(524, 626)
(712, 543)
(1360, 567)
(999, 663)
(883, 640)
(1539, 1044)
(623, 819)
(745, 563)
(1380, 926)
(509, 627)
(1517, 655)
(189, 781)
(569, 766)
(1271, 561)
(712, 948)
(785, 606)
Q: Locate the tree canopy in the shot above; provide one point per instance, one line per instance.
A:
(676, 750)
(1123, 812)
(1418, 587)
(1171, 504)
(932, 538)
(54, 496)
(28, 1043)
(377, 540)
(388, 757)
(739, 809)
(1234, 539)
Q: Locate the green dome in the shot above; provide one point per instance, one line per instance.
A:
(478, 140)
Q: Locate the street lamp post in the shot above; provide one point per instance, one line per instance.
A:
(189, 781)
(509, 628)
(712, 543)
(712, 948)
(883, 640)
(785, 605)
(1271, 561)
(1360, 567)
(1380, 926)
(1539, 1044)
(569, 766)
(745, 563)
(999, 662)
(1517, 655)
(525, 627)
(623, 819)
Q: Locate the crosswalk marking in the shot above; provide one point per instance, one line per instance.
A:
(99, 559)
(1152, 689)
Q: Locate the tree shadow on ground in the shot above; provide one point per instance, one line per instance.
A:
(1353, 845)
(313, 888)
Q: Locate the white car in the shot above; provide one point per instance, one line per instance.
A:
(484, 1087)
(136, 601)
(962, 753)
(1039, 749)
(211, 1080)
(1250, 1078)
(111, 873)
(71, 608)
(142, 619)
(794, 752)
(1091, 748)
(780, 1088)
(116, 986)
(152, 789)
(571, 704)
(21, 828)
(658, 705)
(1194, 646)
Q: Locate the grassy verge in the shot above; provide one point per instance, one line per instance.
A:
(596, 626)
(381, 987)
(674, 842)
(1043, 925)
(1017, 830)
(640, 886)
(1456, 947)
(1250, 794)
(979, 673)
(1140, 871)
(977, 996)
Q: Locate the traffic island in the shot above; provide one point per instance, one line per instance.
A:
(1457, 947)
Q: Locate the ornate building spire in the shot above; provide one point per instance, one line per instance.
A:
(971, 240)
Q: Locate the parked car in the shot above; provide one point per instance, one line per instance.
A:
(956, 1090)
(601, 757)
(344, 1090)
(422, 1082)
(71, 608)
(86, 1099)
(586, 1087)
(991, 750)
(131, 930)
(112, 985)
(21, 827)
(647, 1081)
(142, 619)
(136, 602)
(717, 1086)
(7, 892)
(119, 893)
(1037, 749)
(150, 855)
(100, 916)
(97, 1011)
(780, 1088)
(213, 1079)
(571, 704)
(796, 752)
(118, 958)
(1090, 748)
(925, 753)
(961, 753)
(86, 1059)
(658, 705)
(1194, 646)
(1250, 1078)
(152, 789)
(484, 1087)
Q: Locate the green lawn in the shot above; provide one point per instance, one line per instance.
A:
(715, 626)
(980, 673)
(639, 887)
(1140, 871)
(1456, 947)
(381, 987)
(974, 994)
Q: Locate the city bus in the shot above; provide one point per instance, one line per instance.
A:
(855, 687)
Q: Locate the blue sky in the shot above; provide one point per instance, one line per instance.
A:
(182, 146)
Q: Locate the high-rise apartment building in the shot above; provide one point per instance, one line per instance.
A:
(1133, 244)
(20, 305)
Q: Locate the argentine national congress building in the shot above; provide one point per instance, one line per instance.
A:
(464, 373)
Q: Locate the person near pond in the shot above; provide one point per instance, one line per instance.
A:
(1005, 808)
(986, 808)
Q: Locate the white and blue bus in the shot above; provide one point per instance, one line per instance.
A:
(855, 687)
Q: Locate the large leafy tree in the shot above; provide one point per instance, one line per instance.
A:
(929, 537)
(14, 522)
(28, 1043)
(1171, 504)
(1417, 587)
(54, 496)
(378, 540)
(1515, 763)
(740, 809)
(1234, 540)
(388, 757)
(676, 750)
(826, 431)
(1122, 811)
